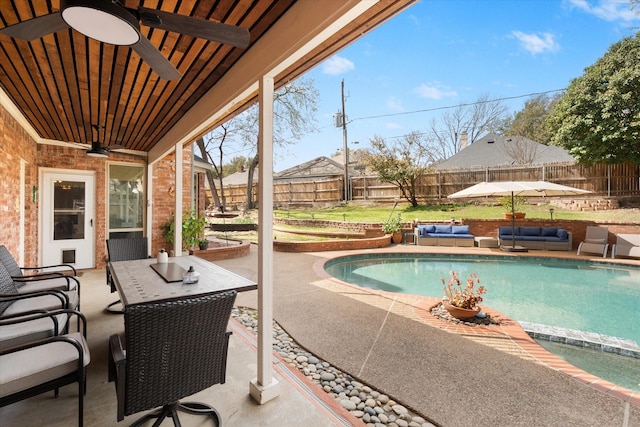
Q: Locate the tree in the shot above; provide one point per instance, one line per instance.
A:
(531, 121)
(294, 108)
(598, 118)
(475, 120)
(295, 105)
(400, 163)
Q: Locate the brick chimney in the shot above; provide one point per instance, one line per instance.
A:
(463, 140)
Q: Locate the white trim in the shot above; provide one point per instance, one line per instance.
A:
(177, 231)
(21, 209)
(265, 387)
(309, 23)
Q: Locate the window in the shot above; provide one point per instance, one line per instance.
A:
(126, 201)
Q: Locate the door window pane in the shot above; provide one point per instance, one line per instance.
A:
(68, 210)
(126, 197)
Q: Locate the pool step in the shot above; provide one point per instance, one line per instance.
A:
(590, 340)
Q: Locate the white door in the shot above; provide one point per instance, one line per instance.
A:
(68, 221)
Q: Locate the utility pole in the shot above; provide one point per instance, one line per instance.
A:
(345, 149)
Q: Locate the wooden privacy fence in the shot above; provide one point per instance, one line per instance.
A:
(602, 180)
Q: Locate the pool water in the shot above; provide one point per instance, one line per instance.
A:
(624, 371)
(594, 297)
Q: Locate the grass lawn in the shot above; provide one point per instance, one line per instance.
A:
(354, 213)
(378, 214)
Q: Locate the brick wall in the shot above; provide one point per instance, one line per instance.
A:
(164, 185)
(16, 146)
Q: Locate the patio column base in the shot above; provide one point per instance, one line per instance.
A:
(264, 393)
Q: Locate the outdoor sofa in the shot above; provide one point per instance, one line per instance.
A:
(627, 245)
(443, 235)
(542, 238)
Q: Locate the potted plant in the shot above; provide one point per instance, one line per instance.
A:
(393, 226)
(462, 302)
(512, 206)
(192, 230)
(203, 244)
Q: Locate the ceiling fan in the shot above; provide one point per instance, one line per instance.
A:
(110, 22)
(99, 150)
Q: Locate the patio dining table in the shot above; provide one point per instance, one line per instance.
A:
(144, 280)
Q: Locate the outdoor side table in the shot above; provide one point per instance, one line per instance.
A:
(486, 242)
(414, 239)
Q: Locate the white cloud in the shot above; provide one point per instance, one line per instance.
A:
(535, 43)
(435, 90)
(608, 10)
(394, 104)
(337, 65)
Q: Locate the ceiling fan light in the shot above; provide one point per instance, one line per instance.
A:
(102, 21)
(98, 153)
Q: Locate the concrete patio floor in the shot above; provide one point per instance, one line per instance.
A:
(378, 340)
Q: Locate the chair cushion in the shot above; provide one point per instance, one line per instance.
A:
(460, 229)
(27, 368)
(61, 283)
(549, 231)
(32, 330)
(598, 241)
(45, 302)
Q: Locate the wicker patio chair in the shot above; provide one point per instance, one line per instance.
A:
(41, 278)
(174, 348)
(44, 365)
(124, 250)
(13, 302)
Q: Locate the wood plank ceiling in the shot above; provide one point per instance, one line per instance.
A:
(65, 82)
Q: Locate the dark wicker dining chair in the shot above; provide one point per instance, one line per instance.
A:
(174, 348)
(124, 250)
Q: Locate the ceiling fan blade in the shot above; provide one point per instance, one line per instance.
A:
(37, 27)
(114, 147)
(152, 56)
(195, 27)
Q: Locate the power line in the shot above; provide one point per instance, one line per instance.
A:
(456, 106)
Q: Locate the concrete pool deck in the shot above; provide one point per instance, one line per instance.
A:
(471, 377)
(477, 375)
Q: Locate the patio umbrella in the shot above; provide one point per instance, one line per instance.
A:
(517, 188)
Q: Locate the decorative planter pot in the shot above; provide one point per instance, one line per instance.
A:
(460, 313)
(518, 215)
(396, 237)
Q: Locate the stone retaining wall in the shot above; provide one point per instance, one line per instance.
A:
(332, 245)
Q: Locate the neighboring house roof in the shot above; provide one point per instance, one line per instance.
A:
(240, 177)
(201, 165)
(498, 150)
(320, 167)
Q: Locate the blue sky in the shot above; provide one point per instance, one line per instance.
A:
(441, 53)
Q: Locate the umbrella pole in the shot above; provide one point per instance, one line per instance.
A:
(513, 247)
(513, 222)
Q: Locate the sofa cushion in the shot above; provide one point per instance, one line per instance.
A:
(563, 234)
(424, 230)
(460, 229)
(550, 231)
(505, 230)
(530, 231)
(531, 238)
(443, 229)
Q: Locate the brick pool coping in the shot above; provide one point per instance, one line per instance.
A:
(507, 329)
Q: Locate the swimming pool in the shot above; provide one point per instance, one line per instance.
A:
(594, 297)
